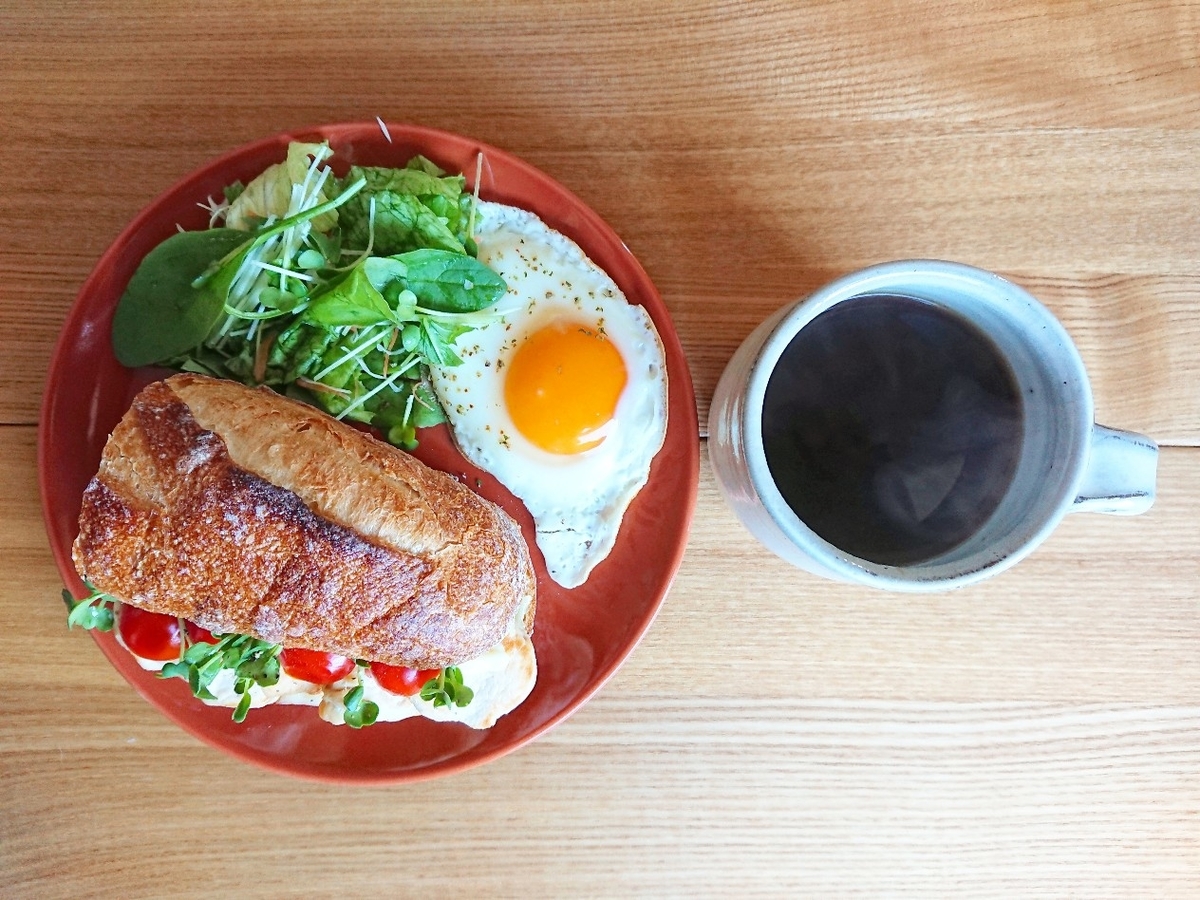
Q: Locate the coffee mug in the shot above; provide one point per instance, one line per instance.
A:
(916, 426)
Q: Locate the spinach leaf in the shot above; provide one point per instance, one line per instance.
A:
(178, 293)
(437, 280)
(384, 271)
(451, 282)
(162, 312)
(351, 300)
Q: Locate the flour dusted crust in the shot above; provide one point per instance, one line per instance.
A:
(247, 512)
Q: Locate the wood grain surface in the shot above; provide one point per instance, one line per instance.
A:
(773, 734)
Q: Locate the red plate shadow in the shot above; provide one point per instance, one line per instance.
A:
(581, 635)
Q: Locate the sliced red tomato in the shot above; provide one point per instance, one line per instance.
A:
(314, 666)
(147, 634)
(198, 634)
(402, 679)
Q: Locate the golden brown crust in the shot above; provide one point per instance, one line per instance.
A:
(247, 512)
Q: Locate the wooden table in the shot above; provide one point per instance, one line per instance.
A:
(773, 734)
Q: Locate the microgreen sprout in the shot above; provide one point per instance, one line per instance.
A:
(447, 689)
(359, 712)
(93, 612)
(253, 662)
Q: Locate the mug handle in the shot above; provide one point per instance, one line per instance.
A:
(1120, 473)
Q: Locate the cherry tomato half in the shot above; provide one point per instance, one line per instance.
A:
(314, 666)
(402, 679)
(147, 634)
(199, 635)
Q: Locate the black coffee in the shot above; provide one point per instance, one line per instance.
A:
(892, 427)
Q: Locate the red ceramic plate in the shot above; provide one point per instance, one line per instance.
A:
(581, 635)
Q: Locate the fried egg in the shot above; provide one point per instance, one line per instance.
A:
(562, 395)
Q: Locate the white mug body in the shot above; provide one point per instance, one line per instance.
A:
(1065, 461)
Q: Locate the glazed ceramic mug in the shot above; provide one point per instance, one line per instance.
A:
(1061, 461)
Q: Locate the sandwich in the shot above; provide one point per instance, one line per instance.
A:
(267, 531)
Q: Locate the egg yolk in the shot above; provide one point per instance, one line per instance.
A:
(562, 387)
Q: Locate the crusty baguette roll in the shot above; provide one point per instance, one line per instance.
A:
(247, 512)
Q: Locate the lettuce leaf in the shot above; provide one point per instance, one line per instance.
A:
(415, 207)
(270, 193)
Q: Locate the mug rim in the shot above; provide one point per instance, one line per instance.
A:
(877, 279)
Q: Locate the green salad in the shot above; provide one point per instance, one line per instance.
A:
(340, 292)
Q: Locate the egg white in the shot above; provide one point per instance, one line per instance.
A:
(577, 500)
